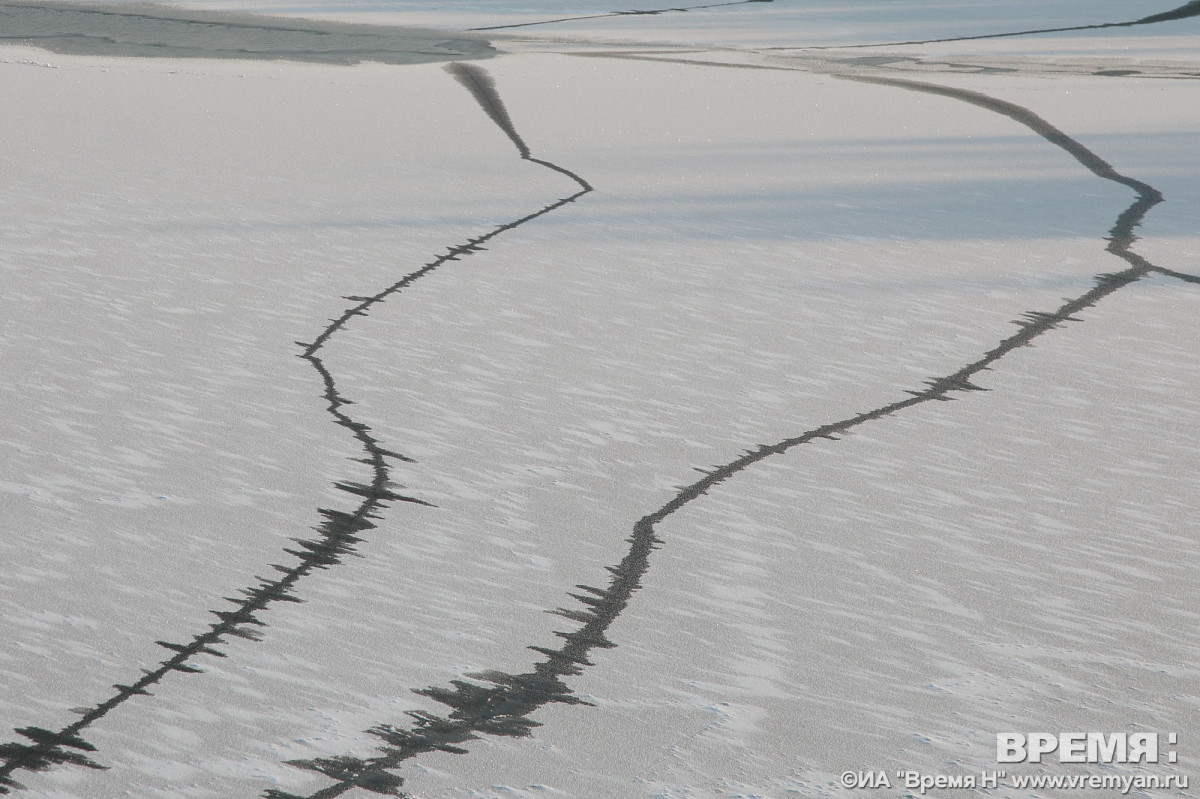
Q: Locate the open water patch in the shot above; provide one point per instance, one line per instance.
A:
(148, 31)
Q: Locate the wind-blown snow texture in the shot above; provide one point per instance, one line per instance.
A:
(749, 244)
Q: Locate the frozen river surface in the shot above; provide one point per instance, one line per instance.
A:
(536, 400)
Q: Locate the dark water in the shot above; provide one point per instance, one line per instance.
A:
(153, 32)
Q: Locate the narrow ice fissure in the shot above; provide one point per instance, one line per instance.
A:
(501, 704)
(1190, 9)
(630, 13)
(337, 535)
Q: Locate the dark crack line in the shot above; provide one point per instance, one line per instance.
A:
(1190, 9)
(498, 703)
(1185, 277)
(336, 535)
(647, 13)
(830, 66)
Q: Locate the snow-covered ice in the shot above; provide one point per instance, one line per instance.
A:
(660, 305)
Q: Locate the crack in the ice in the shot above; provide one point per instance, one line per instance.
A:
(337, 534)
(1184, 11)
(498, 703)
(631, 13)
(1184, 276)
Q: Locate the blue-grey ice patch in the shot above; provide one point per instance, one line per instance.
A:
(159, 32)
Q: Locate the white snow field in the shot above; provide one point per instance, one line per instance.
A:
(402, 337)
